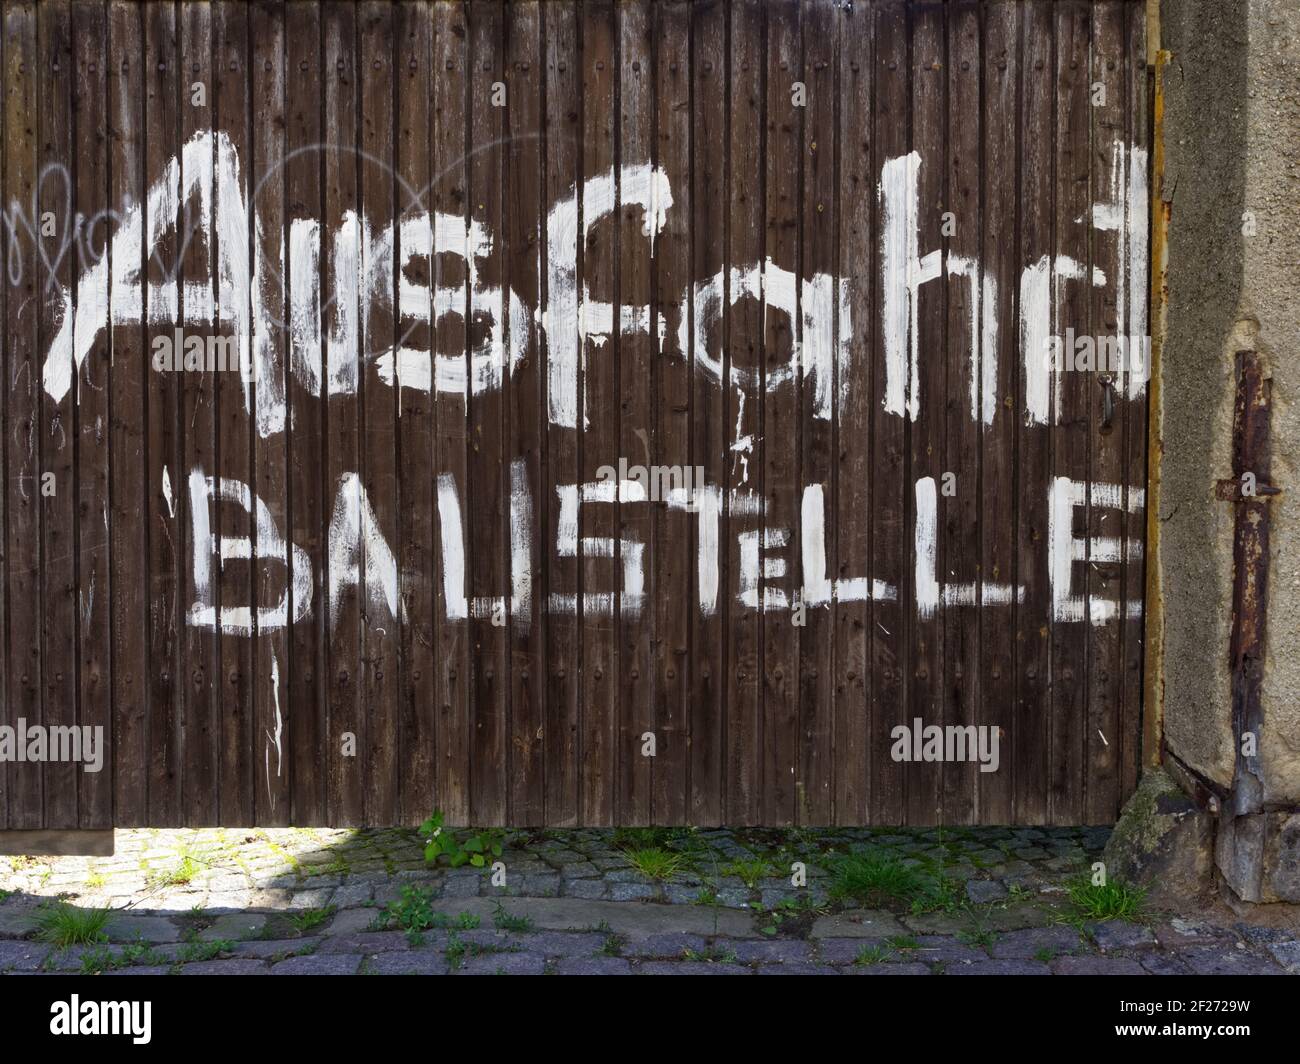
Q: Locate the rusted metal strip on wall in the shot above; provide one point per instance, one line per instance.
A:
(575, 412)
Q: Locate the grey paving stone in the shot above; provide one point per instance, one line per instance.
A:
(144, 969)
(1024, 945)
(593, 966)
(888, 969)
(1178, 932)
(319, 964)
(462, 886)
(770, 951)
(229, 902)
(231, 967)
(998, 967)
(366, 942)
(414, 962)
(948, 949)
(619, 891)
(795, 969)
(351, 921)
(22, 956)
(353, 894)
(672, 944)
(586, 888)
(1118, 934)
(1286, 954)
(560, 943)
(587, 869)
(864, 923)
(235, 926)
(981, 891)
(691, 968)
(132, 928)
(262, 949)
(15, 923)
(845, 950)
(504, 964)
(1225, 960)
(1097, 966)
(1157, 963)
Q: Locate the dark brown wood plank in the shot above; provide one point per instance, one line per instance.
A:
(601, 568)
(274, 733)
(454, 681)
(818, 337)
(1072, 309)
(1029, 733)
(927, 430)
(563, 141)
(378, 473)
(90, 99)
(673, 560)
(855, 189)
(889, 489)
(781, 483)
(341, 314)
(524, 233)
(959, 527)
(1139, 221)
(417, 570)
(237, 775)
(1103, 579)
(164, 478)
(304, 436)
(200, 708)
(742, 405)
(23, 506)
(999, 249)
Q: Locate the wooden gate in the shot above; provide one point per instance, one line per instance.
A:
(573, 412)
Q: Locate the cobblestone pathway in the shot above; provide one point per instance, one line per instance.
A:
(637, 901)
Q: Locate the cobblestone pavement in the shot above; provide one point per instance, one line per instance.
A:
(977, 901)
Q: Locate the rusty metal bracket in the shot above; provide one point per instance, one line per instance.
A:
(1250, 455)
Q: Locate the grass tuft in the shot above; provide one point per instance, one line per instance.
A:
(1111, 900)
(65, 925)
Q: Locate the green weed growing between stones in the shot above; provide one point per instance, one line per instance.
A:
(654, 863)
(1111, 900)
(65, 925)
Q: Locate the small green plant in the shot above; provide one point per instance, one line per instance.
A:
(869, 955)
(611, 947)
(1111, 900)
(654, 863)
(411, 911)
(874, 879)
(204, 951)
(506, 921)
(748, 872)
(979, 937)
(64, 925)
(94, 880)
(466, 847)
(309, 919)
(1046, 954)
(789, 909)
(467, 921)
(455, 951)
(902, 943)
(642, 838)
(710, 955)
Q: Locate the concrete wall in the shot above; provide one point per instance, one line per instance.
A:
(1232, 144)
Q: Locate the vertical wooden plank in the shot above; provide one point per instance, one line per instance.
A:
(417, 571)
(959, 530)
(6, 237)
(1000, 147)
(23, 67)
(889, 489)
(59, 588)
(1029, 734)
(274, 733)
(819, 235)
(1138, 221)
(708, 332)
(855, 189)
(1104, 578)
(673, 561)
(634, 350)
(234, 583)
(164, 479)
(742, 473)
(308, 496)
(90, 42)
(486, 491)
(1069, 642)
(781, 638)
(523, 233)
(200, 709)
(929, 137)
(378, 401)
(340, 279)
(563, 636)
(601, 568)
